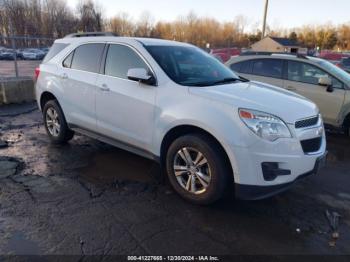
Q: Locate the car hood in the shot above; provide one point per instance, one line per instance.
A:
(262, 97)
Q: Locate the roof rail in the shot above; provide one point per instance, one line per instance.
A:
(273, 53)
(255, 53)
(90, 34)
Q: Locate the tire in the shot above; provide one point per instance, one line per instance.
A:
(55, 123)
(210, 170)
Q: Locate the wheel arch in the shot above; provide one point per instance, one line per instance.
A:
(184, 129)
(45, 97)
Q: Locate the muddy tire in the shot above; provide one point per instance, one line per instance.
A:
(196, 169)
(55, 123)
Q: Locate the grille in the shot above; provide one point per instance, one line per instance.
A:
(307, 122)
(311, 145)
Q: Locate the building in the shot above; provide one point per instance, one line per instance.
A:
(278, 45)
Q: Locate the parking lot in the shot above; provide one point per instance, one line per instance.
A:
(25, 68)
(90, 198)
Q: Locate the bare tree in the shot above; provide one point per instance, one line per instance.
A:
(121, 24)
(90, 16)
(145, 25)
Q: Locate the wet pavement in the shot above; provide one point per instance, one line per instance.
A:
(87, 197)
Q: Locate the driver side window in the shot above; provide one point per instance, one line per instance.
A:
(120, 59)
(306, 73)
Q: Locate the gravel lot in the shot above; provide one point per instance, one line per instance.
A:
(90, 198)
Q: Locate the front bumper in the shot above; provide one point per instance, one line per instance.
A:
(287, 159)
(252, 192)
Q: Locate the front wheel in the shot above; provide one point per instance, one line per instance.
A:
(55, 123)
(196, 168)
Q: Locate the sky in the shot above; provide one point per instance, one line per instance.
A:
(282, 13)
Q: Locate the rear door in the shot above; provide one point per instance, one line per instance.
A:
(303, 78)
(125, 108)
(78, 80)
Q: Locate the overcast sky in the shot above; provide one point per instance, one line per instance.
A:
(282, 13)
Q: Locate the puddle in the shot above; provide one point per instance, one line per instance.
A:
(118, 165)
(18, 244)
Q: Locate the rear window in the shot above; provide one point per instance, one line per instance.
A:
(87, 57)
(268, 67)
(241, 67)
(236, 67)
(54, 50)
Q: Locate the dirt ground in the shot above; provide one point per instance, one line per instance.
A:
(89, 198)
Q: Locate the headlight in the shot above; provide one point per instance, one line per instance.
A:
(266, 126)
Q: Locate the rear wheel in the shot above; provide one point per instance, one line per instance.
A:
(55, 123)
(196, 168)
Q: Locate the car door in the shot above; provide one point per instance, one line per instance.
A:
(125, 108)
(78, 80)
(303, 78)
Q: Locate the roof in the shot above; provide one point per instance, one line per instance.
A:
(159, 42)
(284, 41)
(144, 41)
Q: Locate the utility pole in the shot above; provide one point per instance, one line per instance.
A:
(265, 16)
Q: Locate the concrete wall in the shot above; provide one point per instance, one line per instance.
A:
(14, 90)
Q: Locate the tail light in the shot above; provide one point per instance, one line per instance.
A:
(36, 73)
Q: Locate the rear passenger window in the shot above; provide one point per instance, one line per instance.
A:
(120, 59)
(268, 67)
(87, 57)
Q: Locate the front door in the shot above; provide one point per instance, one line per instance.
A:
(303, 78)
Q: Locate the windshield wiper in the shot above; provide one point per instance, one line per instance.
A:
(221, 81)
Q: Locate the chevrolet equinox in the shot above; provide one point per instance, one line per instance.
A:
(174, 103)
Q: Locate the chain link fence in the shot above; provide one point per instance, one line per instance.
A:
(20, 55)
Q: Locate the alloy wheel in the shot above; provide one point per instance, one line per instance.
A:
(53, 122)
(192, 170)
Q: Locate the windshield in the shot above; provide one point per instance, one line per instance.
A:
(190, 66)
(334, 70)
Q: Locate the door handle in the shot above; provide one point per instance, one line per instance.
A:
(104, 88)
(291, 88)
(64, 76)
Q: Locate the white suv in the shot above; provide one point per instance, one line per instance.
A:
(174, 103)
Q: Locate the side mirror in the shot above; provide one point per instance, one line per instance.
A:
(141, 75)
(327, 82)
